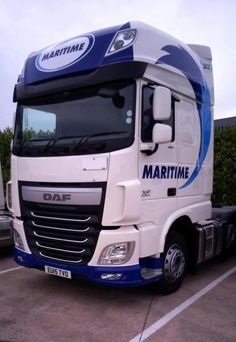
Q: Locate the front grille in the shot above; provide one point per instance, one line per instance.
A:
(65, 234)
(64, 217)
(65, 242)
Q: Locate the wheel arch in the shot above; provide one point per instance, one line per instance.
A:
(185, 217)
(184, 227)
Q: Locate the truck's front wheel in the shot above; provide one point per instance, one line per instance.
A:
(174, 265)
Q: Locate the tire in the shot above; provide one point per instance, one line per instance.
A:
(230, 240)
(174, 265)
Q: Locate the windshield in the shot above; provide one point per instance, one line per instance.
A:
(89, 120)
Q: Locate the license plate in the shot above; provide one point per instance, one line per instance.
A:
(58, 272)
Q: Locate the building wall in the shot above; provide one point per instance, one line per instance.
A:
(220, 124)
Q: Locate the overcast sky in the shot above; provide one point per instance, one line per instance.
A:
(30, 25)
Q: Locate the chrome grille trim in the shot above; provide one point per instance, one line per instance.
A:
(62, 229)
(59, 218)
(57, 239)
(59, 249)
(58, 259)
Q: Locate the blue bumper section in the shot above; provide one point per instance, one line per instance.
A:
(131, 275)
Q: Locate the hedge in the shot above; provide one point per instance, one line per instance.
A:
(225, 167)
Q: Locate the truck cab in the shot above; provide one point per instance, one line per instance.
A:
(112, 158)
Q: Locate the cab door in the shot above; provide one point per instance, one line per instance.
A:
(156, 169)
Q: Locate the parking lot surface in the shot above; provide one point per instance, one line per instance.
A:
(35, 306)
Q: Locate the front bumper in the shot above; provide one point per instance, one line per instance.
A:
(131, 275)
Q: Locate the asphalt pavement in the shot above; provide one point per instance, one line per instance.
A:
(35, 306)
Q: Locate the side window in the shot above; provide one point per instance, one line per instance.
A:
(147, 115)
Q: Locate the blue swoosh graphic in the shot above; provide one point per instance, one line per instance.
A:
(180, 59)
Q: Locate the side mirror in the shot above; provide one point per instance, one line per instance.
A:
(161, 103)
(161, 134)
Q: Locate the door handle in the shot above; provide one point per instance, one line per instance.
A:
(171, 192)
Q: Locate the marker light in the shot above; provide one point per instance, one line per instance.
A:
(9, 197)
(17, 240)
(117, 253)
(122, 40)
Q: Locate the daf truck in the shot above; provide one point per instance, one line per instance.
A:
(112, 159)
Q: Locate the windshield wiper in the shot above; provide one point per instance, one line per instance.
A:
(86, 138)
(82, 140)
(52, 142)
(30, 149)
(27, 147)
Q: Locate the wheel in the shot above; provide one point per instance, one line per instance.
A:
(230, 240)
(174, 265)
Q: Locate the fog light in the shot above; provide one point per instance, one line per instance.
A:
(117, 253)
(18, 240)
(19, 258)
(111, 276)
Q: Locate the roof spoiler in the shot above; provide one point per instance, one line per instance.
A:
(202, 51)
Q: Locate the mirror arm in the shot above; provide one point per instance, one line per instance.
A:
(150, 152)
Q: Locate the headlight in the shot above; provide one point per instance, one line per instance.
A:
(117, 253)
(122, 40)
(18, 240)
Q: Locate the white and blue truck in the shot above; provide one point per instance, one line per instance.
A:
(112, 159)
